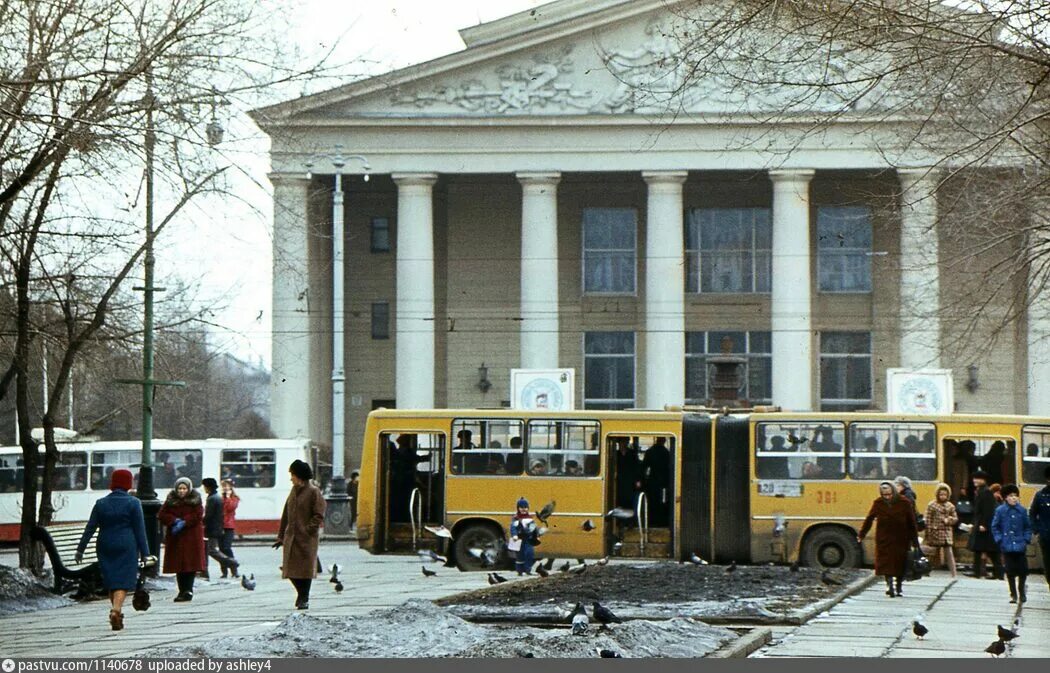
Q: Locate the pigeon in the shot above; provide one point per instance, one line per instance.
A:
(622, 513)
(500, 579)
(794, 567)
(617, 547)
(428, 573)
(731, 568)
(581, 561)
(579, 620)
(779, 525)
(549, 563)
(604, 615)
(542, 572)
(1005, 634)
(439, 531)
(996, 648)
(248, 582)
(588, 525)
(564, 567)
(335, 573)
(528, 655)
(486, 556)
(608, 654)
(827, 578)
(797, 442)
(696, 560)
(919, 629)
(546, 512)
(579, 569)
(431, 555)
(604, 561)
(338, 587)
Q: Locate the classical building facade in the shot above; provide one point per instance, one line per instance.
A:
(528, 207)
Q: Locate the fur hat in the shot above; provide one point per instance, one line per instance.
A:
(301, 470)
(944, 487)
(182, 480)
(121, 479)
(979, 474)
(1010, 489)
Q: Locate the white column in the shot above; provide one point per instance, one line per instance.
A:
(791, 320)
(1039, 320)
(920, 278)
(414, 380)
(290, 379)
(664, 291)
(539, 270)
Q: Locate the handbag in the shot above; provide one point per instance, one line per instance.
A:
(920, 522)
(918, 565)
(140, 601)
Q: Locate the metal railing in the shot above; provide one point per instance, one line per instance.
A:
(642, 512)
(415, 515)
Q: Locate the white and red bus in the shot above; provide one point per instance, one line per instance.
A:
(258, 468)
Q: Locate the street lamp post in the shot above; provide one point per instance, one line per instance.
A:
(337, 517)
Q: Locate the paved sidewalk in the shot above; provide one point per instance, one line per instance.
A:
(222, 608)
(961, 615)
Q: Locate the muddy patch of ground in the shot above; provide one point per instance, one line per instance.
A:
(21, 591)
(754, 593)
(418, 629)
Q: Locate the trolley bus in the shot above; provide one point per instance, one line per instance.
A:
(758, 486)
(256, 466)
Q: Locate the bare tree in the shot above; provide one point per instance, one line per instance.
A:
(88, 88)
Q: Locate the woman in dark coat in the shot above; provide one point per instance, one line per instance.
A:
(981, 540)
(895, 533)
(300, 532)
(121, 542)
(183, 516)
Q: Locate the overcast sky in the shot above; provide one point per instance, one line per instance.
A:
(224, 246)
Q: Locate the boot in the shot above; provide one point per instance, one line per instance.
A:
(1021, 595)
(1013, 588)
(900, 584)
(889, 587)
(978, 565)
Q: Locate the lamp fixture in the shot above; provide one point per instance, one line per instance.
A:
(972, 384)
(484, 385)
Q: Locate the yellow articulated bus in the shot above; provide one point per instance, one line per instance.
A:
(756, 486)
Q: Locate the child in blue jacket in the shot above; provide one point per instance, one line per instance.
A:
(1012, 532)
(523, 537)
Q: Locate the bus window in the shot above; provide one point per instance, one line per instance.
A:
(70, 472)
(248, 468)
(799, 450)
(10, 473)
(563, 448)
(169, 466)
(880, 451)
(487, 447)
(1036, 458)
(104, 462)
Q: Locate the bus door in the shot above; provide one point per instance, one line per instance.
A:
(640, 495)
(967, 452)
(413, 489)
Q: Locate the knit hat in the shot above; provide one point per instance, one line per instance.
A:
(1010, 489)
(182, 480)
(522, 502)
(121, 479)
(903, 481)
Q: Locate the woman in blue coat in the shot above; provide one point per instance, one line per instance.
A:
(121, 541)
(1013, 531)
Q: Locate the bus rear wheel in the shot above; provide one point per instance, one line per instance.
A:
(481, 537)
(831, 548)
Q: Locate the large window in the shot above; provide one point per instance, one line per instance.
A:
(608, 370)
(1036, 458)
(249, 468)
(70, 472)
(380, 234)
(609, 245)
(799, 450)
(728, 250)
(380, 320)
(844, 248)
(755, 346)
(170, 465)
(881, 451)
(104, 462)
(563, 448)
(491, 447)
(845, 371)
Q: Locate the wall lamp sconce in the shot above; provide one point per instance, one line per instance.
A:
(972, 384)
(483, 378)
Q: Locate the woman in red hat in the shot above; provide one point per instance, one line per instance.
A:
(121, 541)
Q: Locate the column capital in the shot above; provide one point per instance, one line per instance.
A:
(665, 177)
(541, 178)
(791, 175)
(909, 177)
(290, 179)
(414, 179)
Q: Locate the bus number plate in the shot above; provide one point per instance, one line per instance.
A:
(780, 489)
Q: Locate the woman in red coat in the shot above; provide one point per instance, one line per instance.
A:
(894, 535)
(182, 514)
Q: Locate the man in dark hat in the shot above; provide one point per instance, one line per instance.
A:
(981, 539)
(1039, 513)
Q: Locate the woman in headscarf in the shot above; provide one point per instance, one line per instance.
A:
(121, 542)
(183, 515)
(941, 520)
(300, 531)
(894, 535)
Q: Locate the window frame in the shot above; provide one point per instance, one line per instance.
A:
(634, 370)
(223, 463)
(373, 228)
(1040, 460)
(893, 427)
(633, 292)
(753, 251)
(584, 453)
(843, 252)
(814, 456)
(749, 355)
(384, 333)
(505, 451)
(843, 401)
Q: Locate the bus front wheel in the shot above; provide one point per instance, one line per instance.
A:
(485, 542)
(831, 548)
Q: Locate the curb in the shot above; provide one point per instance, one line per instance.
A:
(855, 587)
(743, 646)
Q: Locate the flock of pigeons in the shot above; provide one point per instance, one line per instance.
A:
(998, 645)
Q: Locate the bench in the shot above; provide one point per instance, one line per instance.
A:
(60, 541)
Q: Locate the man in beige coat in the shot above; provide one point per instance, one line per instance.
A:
(300, 532)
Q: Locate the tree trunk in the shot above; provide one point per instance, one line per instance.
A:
(47, 508)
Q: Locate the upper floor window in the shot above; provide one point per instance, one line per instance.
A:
(381, 320)
(757, 386)
(845, 371)
(609, 250)
(728, 250)
(844, 248)
(608, 370)
(380, 234)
